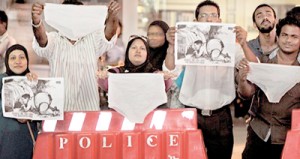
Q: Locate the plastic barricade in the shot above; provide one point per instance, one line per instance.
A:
(291, 148)
(165, 133)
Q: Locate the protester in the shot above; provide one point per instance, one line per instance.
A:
(75, 60)
(271, 120)
(16, 141)
(140, 88)
(213, 119)
(264, 19)
(137, 57)
(158, 42)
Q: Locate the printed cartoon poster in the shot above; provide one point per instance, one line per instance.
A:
(36, 100)
(204, 44)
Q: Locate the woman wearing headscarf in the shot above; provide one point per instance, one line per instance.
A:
(137, 58)
(16, 135)
(158, 42)
(144, 93)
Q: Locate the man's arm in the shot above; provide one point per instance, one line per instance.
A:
(39, 30)
(241, 36)
(111, 23)
(245, 88)
(170, 58)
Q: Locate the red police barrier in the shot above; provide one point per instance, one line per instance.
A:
(296, 119)
(165, 133)
(292, 143)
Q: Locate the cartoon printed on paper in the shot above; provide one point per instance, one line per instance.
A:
(36, 100)
(204, 44)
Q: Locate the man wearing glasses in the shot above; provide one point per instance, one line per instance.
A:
(215, 121)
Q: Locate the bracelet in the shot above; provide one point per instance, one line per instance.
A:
(38, 25)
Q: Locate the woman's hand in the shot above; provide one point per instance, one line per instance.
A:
(170, 35)
(31, 76)
(167, 74)
(22, 120)
(102, 74)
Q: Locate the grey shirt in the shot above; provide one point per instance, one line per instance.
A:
(255, 46)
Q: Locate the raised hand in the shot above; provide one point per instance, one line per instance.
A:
(113, 9)
(36, 13)
(241, 35)
(171, 35)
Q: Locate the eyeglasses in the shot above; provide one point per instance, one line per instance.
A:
(205, 15)
(138, 36)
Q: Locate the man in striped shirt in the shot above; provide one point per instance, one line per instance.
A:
(75, 60)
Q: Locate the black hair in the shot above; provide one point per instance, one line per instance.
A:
(3, 18)
(286, 21)
(260, 6)
(75, 2)
(206, 3)
(158, 53)
(163, 25)
(294, 12)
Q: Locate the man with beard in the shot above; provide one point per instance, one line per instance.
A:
(264, 19)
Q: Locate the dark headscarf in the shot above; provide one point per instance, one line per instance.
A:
(146, 67)
(9, 72)
(74, 2)
(158, 55)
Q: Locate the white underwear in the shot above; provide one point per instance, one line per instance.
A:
(64, 18)
(136, 95)
(207, 87)
(274, 79)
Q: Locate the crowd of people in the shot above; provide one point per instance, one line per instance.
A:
(85, 65)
